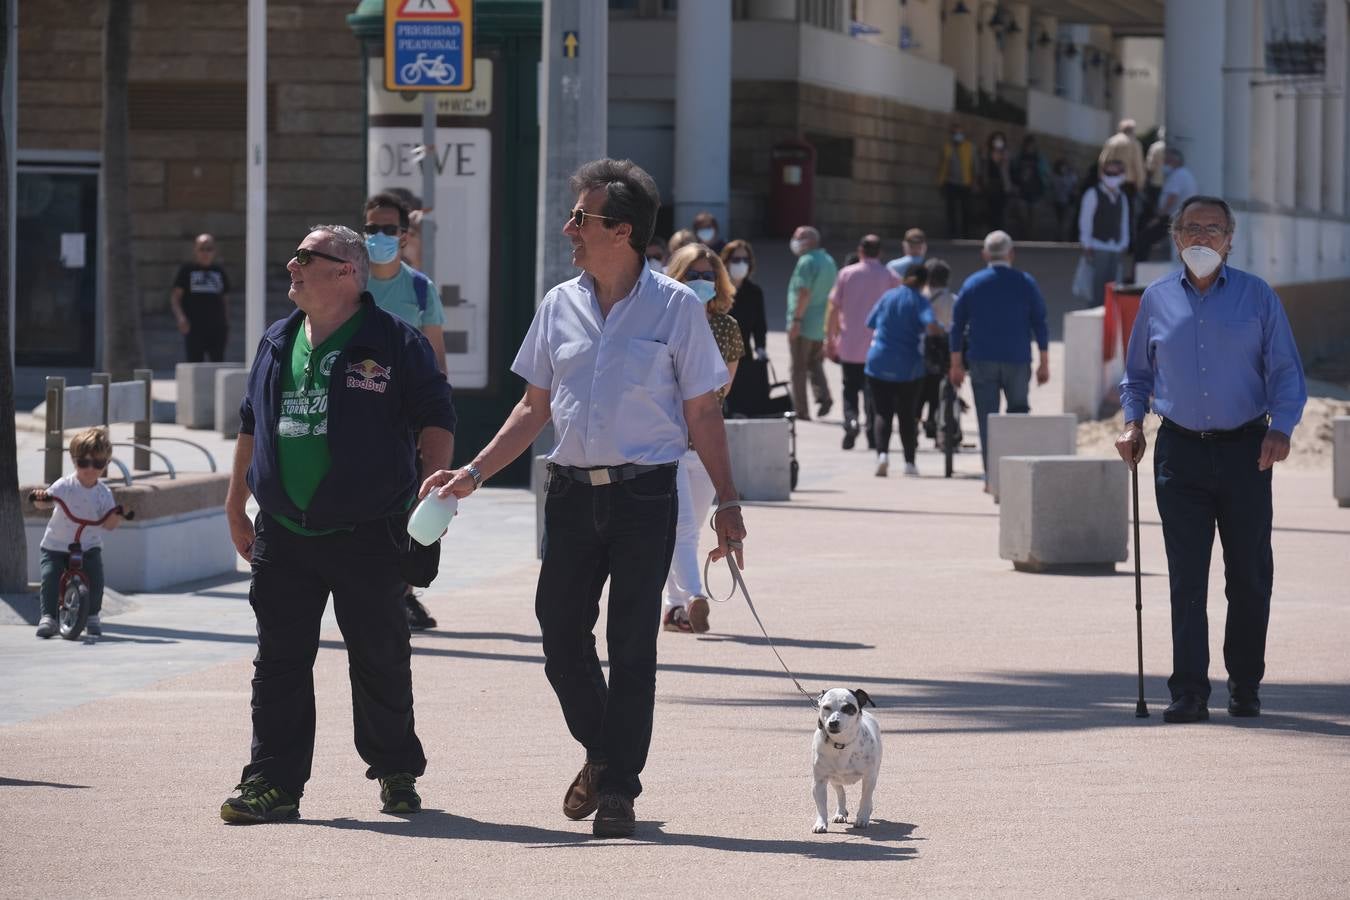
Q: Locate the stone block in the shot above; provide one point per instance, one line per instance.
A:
(230, 386)
(197, 392)
(1084, 376)
(1063, 513)
(1340, 449)
(1024, 434)
(761, 457)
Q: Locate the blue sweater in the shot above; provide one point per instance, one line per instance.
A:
(385, 386)
(1004, 310)
(899, 320)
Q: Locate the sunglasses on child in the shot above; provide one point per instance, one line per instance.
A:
(85, 462)
(579, 217)
(304, 255)
(390, 230)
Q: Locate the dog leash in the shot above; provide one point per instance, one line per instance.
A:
(738, 583)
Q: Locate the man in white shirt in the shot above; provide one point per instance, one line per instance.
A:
(1104, 227)
(1179, 185)
(624, 363)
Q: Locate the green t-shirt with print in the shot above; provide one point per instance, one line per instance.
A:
(302, 431)
(816, 272)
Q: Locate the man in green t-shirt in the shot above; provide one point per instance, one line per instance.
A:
(400, 289)
(807, 301)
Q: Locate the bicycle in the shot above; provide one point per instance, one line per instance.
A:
(73, 590)
(950, 407)
(434, 68)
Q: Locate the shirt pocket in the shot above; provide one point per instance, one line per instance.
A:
(1241, 338)
(648, 364)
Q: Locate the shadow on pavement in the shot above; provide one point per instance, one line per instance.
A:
(941, 513)
(435, 823)
(20, 782)
(756, 641)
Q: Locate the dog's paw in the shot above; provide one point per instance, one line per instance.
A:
(861, 822)
(840, 817)
(820, 827)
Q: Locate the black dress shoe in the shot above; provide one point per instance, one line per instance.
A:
(615, 817)
(1186, 708)
(1244, 704)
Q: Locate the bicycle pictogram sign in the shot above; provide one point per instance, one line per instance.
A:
(428, 45)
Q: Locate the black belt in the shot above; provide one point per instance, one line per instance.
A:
(1231, 434)
(601, 475)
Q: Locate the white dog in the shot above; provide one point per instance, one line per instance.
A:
(845, 750)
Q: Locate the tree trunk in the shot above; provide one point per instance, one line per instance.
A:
(123, 346)
(14, 557)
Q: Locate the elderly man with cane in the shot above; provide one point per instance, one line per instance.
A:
(1212, 349)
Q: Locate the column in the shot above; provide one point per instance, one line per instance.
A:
(959, 46)
(1286, 147)
(1264, 144)
(1333, 117)
(1191, 69)
(1069, 70)
(924, 21)
(990, 66)
(1240, 56)
(1041, 74)
(1308, 174)
(1016, 58)
(702, 110)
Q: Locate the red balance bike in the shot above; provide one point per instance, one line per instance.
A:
(73, 592)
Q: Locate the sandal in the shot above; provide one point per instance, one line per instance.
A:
(676, 619)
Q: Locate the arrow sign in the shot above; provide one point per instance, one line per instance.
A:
(570, 44)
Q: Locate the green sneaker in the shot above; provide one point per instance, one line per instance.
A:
(398, 793)
(259, 802)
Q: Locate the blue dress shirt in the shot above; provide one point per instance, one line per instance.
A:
(1005, 311)
(1213, 361)
(900, 319)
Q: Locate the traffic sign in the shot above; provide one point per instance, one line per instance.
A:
(570, 44)
(428, 45)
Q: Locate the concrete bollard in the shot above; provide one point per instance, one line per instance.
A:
(229, 391)
(1063, 513)
(1024, 434)
(197, 392)
(1084, 378)
(1340, 451)
(761, 458)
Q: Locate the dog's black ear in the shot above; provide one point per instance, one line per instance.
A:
(863, 699)
(819, 697)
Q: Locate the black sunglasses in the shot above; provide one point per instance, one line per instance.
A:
(700, 276)
(740, 259)
(579, 217)
(391, 230)
(85, 462)
(303, 255)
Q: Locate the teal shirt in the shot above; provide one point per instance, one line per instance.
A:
(398, 296)
(815, 271)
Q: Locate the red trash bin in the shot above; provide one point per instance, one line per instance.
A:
(792, 187)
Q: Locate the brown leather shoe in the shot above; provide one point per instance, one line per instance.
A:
(583, 794)
(698, 614)
(614, 817)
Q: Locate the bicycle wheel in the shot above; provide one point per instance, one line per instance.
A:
(411, 73)
(948, 427)
(446, 75)
(74, 610)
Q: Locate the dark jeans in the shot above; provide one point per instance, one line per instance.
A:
(896, 398)
(987, 379)
(624, 533)
(205, 340)
(292, 577)
(855, 382)
(958, 209)
(1200, 484)
(54, 564)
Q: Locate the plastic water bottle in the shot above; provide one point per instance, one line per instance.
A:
(431, 518)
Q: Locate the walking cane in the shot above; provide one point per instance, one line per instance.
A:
(1140, 708)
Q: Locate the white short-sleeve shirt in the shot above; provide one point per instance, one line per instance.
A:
(87, 503)
(617, 385)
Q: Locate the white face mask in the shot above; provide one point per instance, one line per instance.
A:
(737, 271)
(706, 234)
(705, 290)
(1202, 261)
(1113, 181)
(796, 246)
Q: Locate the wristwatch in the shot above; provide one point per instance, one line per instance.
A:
(476, 475)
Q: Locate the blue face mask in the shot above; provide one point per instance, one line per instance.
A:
(383, 248)
(705, 290)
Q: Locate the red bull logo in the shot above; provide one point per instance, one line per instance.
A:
(368, 375)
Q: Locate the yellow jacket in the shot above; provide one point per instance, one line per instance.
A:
(965, 158)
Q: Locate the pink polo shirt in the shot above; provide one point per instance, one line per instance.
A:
(856, 291)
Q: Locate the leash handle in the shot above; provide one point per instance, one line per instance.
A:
(738, 583)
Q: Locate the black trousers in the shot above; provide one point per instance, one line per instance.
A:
(292, 578)
(957, 197)
(1201, 484)
(205, 340)
(623, 533)
(896, 399)
(855, 383)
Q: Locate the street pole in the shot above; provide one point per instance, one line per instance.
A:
(10, 100)
(429, 185)
(255, 252)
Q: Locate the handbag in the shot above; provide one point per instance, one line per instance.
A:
(417, 563)
(1082, 281)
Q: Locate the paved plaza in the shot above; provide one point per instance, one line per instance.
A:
(1013, 764)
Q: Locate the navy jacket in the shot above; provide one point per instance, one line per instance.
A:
(383, 388)
(1005, 311)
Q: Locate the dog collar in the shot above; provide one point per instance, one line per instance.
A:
(839, 746)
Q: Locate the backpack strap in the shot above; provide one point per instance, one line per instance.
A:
(421, 286)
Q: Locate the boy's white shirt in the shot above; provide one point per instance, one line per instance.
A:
(87, 503)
